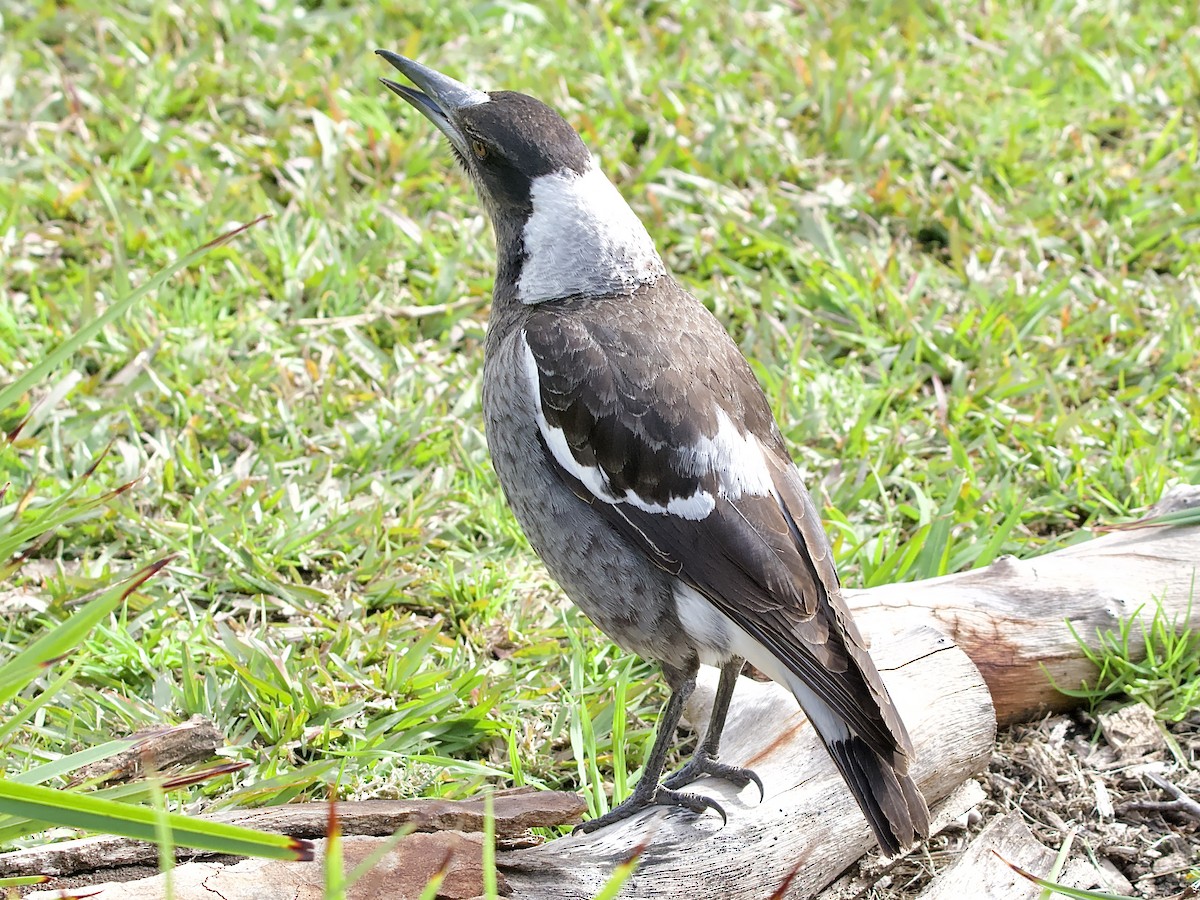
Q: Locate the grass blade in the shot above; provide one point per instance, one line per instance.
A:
(23, 880)
(621, 875)
(91, 813)
(490, 884)
(335, 862)
(63, 639)
(68, 348)
(1075, 893)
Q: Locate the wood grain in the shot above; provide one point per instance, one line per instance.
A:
(1012, 617)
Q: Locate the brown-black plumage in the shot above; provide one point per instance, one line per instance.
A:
(626, 405)
(641, 458)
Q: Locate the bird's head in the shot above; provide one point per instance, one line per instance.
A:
(562, 229)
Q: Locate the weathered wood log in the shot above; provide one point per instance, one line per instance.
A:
(159, 751)
(401, 873)
(807, 829)
(1012, 617)
(514, 812)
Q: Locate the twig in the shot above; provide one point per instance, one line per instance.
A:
(396, 312)
(1181, 803)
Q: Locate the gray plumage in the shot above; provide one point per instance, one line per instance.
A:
(640, 457)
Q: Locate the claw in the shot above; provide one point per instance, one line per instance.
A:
(634, 804)
(762, 794)
(701, 764)
(710, 803)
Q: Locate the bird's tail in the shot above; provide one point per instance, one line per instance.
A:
(885, 791)
(888, 798)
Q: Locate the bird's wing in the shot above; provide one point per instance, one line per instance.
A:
(654, 418)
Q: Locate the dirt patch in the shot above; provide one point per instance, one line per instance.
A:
(1128, 787)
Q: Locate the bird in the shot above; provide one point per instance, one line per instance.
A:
(642, 460)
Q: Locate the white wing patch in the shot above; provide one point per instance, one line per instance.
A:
(583, 239)
(696, 506)
(733, 456)
(736, 457)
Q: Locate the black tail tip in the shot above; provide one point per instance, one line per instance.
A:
(890, 800)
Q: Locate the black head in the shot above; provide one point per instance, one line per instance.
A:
(503, 139)
(562, 228)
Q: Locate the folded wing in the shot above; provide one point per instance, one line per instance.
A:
(672, 441)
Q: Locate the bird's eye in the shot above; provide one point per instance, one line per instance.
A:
(481, 150)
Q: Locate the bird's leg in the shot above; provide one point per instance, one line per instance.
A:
(704, 760)
(648, 792)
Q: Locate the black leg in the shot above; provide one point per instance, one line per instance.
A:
(648, 792)
(720, 710)
(704, 760)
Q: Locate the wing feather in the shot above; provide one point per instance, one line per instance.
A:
(673, 442)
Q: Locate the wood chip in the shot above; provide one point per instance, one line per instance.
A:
(981, 873)
(1104, 804)
(161, 750)
(1133, 732)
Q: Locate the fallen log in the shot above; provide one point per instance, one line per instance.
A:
(807, 829)
(1015, 617)
(1009, 619)
(400, 872)
(514, 811)
(160, 750)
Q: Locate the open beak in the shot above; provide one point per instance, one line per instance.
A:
(439, 97)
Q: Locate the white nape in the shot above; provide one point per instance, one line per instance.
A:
(582, 239)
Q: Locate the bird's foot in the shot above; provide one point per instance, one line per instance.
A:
(702, 764)
(657, 796)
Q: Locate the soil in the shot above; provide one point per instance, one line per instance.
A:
(1127, 786)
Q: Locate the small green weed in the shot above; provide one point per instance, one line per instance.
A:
(1161, 668)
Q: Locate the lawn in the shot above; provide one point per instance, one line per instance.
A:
(959, 243)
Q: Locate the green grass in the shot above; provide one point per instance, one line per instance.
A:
(1164, 674)
(959, 243)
